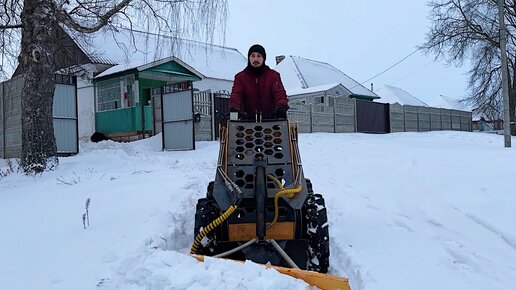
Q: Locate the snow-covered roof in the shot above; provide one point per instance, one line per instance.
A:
(301, 73)
(132, 50)
(391, 95)
(301, 91)
(145, 66)
(447, 103)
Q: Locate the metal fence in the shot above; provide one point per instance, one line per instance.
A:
(11, 129)
(209, 111)
(64, 114)
(203, 111)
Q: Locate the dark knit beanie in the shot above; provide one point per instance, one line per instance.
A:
(259, 49)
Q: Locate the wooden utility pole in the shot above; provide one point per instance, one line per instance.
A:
(505, 77)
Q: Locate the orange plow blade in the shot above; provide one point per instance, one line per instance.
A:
(322, 281)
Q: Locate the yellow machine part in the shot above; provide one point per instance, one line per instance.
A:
(321, 281)
(247, 231)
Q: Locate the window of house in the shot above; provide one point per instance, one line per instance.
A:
(115, 94)
(108, 95)
(331, 102)
(322, 100)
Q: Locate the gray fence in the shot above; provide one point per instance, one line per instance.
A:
(64, 111)
(209, 110)
(338, 115)
(420, 119)
(178, 124)
(337, 118)
(11, 129)
(204, 116)
(65, 116)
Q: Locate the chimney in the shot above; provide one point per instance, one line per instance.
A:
(279, 59)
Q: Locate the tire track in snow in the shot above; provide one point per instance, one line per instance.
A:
(510, 241)
(461, 255)
(505, 237)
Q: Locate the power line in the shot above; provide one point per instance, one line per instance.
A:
(413, 72)
(387, 69)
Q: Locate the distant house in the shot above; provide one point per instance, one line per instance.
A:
(318, 82)
(217, 65)
(392, 95)
(126, 65)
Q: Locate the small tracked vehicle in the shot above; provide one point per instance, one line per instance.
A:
(260, 206)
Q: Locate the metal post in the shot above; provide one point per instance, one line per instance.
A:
(505, 77)
(213, 121)
(260, 195)
(311, 119)
(334, 118)
(2, 87)
(355, 125)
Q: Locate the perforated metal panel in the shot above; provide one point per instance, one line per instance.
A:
(252, 140)
(247, 144)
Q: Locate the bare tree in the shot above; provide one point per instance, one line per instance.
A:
(468, 30)
(28, 30)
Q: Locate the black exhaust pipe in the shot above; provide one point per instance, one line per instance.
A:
(260, 194)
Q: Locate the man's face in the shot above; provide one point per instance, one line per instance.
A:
(256, 59)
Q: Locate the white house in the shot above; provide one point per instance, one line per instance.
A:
(317, 82)
(111, 52)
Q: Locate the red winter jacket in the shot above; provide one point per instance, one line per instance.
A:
(253, 93)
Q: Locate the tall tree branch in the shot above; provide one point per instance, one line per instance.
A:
(103, 20)
(2, 27)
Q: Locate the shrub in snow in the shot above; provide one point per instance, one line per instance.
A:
(86, 215)
(10, 168)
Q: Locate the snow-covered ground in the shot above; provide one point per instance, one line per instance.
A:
(407, 211)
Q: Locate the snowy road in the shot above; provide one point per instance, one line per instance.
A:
(406, 211)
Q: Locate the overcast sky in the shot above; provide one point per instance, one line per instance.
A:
(361, 38)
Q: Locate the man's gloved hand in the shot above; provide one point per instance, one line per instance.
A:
(280, 112)
(241, 114)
